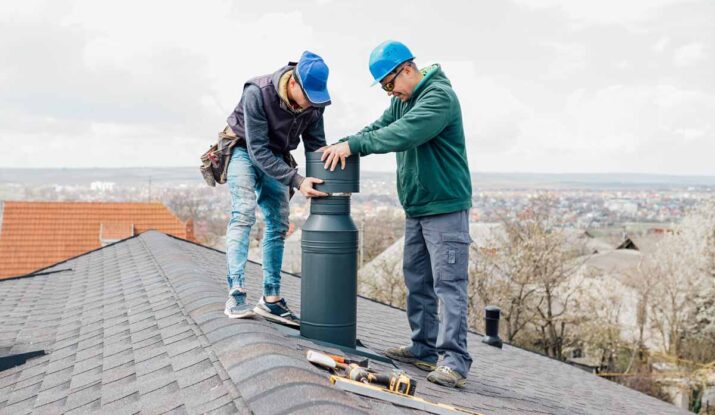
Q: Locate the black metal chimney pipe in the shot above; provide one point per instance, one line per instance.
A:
(329, 247)
(491, 321)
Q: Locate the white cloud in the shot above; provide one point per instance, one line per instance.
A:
(89, 83)
(662, 43)
(569, 58)
(689, 54)
(604, 11)
(619, 128)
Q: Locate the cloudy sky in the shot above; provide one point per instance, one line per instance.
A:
(545, 85)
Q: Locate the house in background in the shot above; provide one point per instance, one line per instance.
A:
(646, 243)
(34, 235)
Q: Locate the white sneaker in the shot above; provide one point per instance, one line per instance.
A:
(236, 306)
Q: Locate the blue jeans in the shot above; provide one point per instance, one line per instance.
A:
(250, 186)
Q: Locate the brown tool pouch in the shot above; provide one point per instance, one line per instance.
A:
(214, 162)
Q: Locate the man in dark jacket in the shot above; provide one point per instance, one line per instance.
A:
(274, 113)
(423, 126)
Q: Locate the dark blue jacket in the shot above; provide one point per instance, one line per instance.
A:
(271, 129)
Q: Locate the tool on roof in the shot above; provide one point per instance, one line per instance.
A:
(322, 357)
(396, 381)
(378, 392)
(395, 387)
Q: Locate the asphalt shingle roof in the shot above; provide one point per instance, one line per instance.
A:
(138, 326)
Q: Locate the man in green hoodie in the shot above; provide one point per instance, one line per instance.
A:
(423, 126)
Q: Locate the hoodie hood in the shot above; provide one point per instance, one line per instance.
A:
(431, 74)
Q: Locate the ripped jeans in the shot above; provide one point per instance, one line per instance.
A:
(249, 186)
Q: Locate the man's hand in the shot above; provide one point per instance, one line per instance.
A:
(334, 154)
(307, 188)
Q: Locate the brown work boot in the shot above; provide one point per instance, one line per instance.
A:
(403, 354)
(445, 376)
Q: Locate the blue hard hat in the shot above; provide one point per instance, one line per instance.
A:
(312, 76)
(386, 57)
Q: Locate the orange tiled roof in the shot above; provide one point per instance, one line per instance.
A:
(114, 231)
(34, 235)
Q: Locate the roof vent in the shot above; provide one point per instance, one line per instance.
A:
(491, 321)
(12, 360)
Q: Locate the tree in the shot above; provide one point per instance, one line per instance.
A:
(558, 286)
(530, 274)
(380, 276)
(600, 307)
(499, 276)
(698, 342)
(385, 284)
(679, 275)
(378, 231)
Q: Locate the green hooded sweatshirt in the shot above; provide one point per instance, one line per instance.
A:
(426, 133)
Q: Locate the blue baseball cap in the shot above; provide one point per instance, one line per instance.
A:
(312, 76)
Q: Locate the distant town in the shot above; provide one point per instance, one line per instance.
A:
(594, 202)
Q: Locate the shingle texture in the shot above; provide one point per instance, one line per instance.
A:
(34, 235)
(138, 326)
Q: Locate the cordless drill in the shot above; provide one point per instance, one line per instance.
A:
(397, 381)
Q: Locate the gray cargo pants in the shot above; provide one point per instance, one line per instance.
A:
(435, 266)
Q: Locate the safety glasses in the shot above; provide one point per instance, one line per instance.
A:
(389, 86)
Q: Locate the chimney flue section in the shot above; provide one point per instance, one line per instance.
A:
(329, 256)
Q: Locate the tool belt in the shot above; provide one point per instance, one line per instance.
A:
(214, 162)
(229, 134)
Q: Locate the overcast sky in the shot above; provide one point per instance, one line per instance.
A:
(545, 85)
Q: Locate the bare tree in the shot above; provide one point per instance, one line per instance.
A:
(204, 206)
(185, 203)
(384, 282)
(558, 286)
(380, 276)
(530, 274)
(600, 306)
(378, 232)
(498, 276)
(678, 272)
